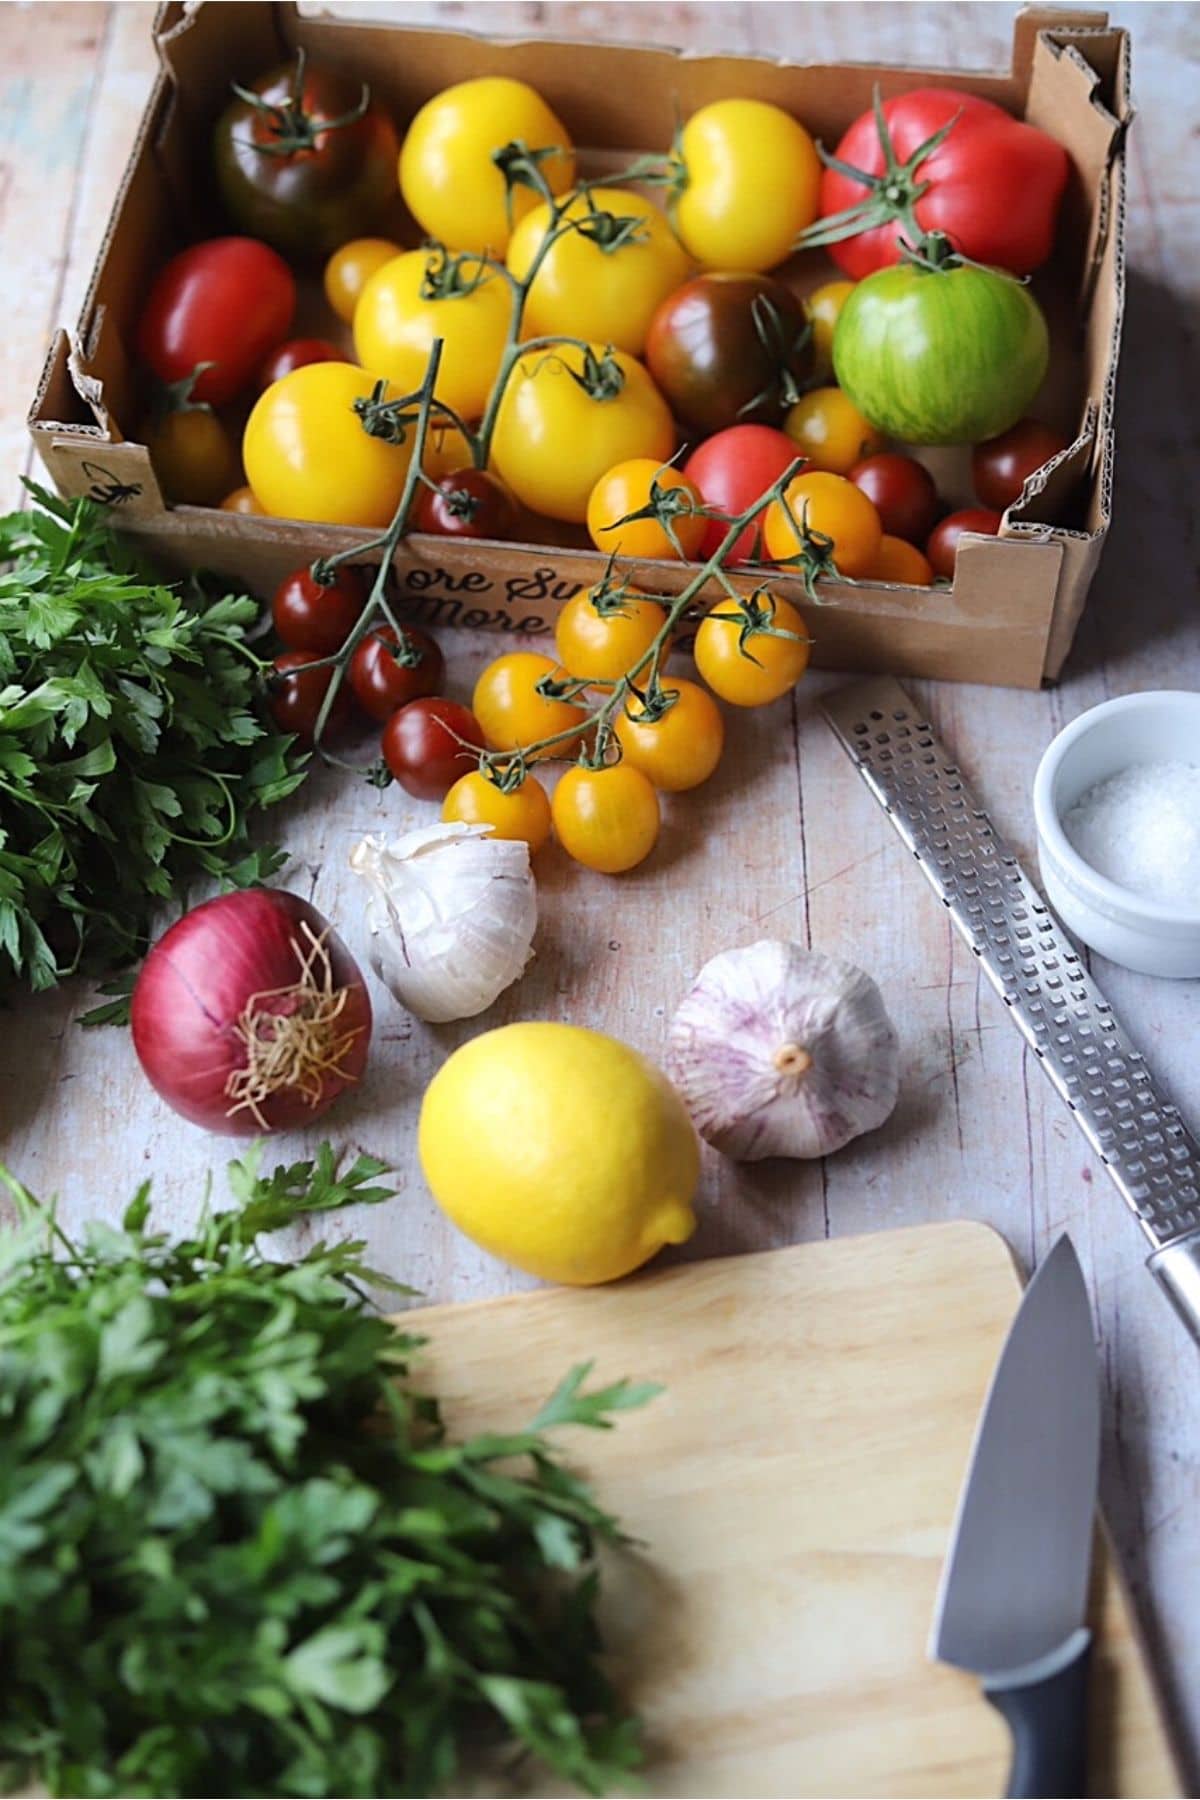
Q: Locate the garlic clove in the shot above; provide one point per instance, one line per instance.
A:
(781, 1051)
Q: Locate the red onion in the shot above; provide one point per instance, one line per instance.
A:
(250, 1014)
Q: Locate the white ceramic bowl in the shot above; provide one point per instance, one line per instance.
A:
(1147, 935)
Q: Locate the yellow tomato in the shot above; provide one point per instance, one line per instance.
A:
(605, 278)
(450, 183)
(307, 455)
(752, 178)
(824, 305)
(349, 269)
(680, 747)
(625, 489)
(555, 438)
(607, 819)
(521, 813)
(830, 430)
(833, 508)
(241, 500)
(511, 712)
(400, 314)
(760, 669)
(604, 632)
(194, 459)
(896, 560)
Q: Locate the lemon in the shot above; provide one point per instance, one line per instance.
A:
(560, 1150)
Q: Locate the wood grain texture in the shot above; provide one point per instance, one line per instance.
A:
(774, 1632)
(784, 841)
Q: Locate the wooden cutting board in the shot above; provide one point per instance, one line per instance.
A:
(795, 1488)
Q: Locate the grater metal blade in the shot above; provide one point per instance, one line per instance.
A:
(1138, 1135)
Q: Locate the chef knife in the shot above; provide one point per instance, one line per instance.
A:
(1014, 1588)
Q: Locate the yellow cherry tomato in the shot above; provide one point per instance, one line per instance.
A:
(830, 430)
(758, 668)
(567, 416)
(604, 279)
(605, 631)
(520, 813)
(824, 306)
(625, 489)
(679, 748)
(896, 560)
(607, 819)
(831, 507)
(241, 500)
(752, 179)
(349, 269)
(450, 183)
(511, 712)
(401, 311)
(308, 456)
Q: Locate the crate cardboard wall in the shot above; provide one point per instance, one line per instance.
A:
(1016, 600)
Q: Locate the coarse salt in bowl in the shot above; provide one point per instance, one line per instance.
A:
(1122, 776)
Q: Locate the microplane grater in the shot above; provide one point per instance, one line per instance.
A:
(1138, 1135)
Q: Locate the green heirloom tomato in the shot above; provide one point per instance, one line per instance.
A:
(941, 352)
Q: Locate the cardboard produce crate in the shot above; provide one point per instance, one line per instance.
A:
(1016, 600)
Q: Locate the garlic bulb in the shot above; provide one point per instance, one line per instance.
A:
(781, 1051)
(452, 912)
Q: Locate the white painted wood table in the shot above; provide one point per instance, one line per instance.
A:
(785, 841)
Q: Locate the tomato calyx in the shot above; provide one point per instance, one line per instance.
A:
(289, 125)
(664, 505)
(445, 276)
(755, 616)
(653, 705)
(890, 196)
(814, 558)
(506, 773)
(782, 349)
(384, 418)
(609, 231)
(177, 396)
(936, 255)
(521, 167)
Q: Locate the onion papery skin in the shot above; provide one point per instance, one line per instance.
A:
(194, 988)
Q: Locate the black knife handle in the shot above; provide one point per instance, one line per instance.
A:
(1048, 1720)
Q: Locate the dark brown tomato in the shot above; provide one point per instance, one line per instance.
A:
(298, 692)
(382, 681)
(314, 618)
(1001, 466)
(903, 491)
(429, 744)
(306, 159)
(942, 547)
(467, 503)
(727, 349)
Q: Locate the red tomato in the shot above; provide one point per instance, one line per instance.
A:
(467, 503)
(227, 302)
(1001, 466)
(319, 619)
(296, 700)
(993, 184)
(381, 683)
(296, 354)
(904, 493)
(733, 470)
(942, 547)
(429, 744)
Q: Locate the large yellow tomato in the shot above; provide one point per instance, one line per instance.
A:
(450, 183)
(307, 455)
(604, 632)
(603, 279)
(751, 668)
(831, 507)
(567, 416)
(349, 269)
(679, 748)
(751, 182)
(400, 313)
(511, 712)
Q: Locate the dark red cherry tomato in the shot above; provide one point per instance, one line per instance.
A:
(227, 302)
(314, 618)
(428, 744)
(467, 503)
(1001, 466)
(297, 353)
(381, 682)
(903, 491)
(942, 547)
(296, 699)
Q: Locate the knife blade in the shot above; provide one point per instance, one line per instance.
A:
(1013, 1596)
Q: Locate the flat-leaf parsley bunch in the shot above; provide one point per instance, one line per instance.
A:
(239, 1555)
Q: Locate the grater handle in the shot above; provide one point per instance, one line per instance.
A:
(1177, 1269)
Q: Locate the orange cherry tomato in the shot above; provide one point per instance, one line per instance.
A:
(349, 269)
(605, 631)
(823, 306)
(607, 819)
(680, 747)
(625, 489)
(520, 813)
(897, 560)
(829, 429)
(832, 508)
(512, 712)
(241, 500)
(756, 668)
